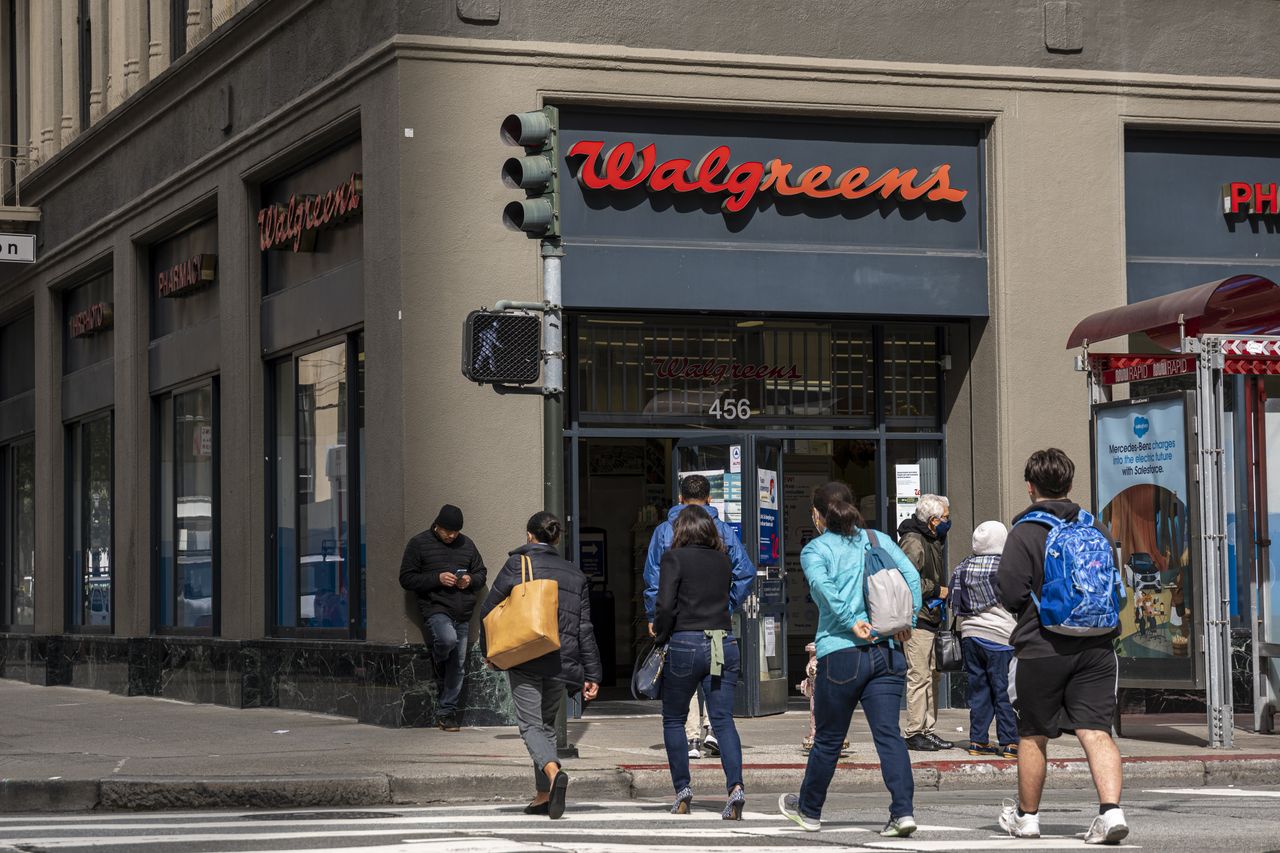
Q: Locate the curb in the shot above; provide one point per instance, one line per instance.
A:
(622, 783)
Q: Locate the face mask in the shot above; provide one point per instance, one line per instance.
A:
(943, 527)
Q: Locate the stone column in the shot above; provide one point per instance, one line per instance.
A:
(23, 81)
(195, 23)
(131, 510)
(51, 85)
(70, 120)
(222, 12)
(98, 17)
(159, 47)
(116, 53)
(135, 45)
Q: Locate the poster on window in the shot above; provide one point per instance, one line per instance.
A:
(1141, 488)
(770, 533)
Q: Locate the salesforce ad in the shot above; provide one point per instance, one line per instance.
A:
(1142, 487)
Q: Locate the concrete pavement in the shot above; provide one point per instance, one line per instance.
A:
(63, 748)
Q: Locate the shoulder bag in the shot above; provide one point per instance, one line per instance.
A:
(524, 625)
(948, 655)
(646, 681)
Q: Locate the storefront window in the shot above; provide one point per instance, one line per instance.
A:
(188, 508)
(319, 581)
(740, 373)
(89, 514)
(18, 466)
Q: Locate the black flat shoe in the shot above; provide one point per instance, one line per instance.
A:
(559, 787)
(920, 743)
(540, 808)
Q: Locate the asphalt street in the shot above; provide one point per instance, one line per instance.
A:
(1193, 819)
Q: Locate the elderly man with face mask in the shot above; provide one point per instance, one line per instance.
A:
(921, 538)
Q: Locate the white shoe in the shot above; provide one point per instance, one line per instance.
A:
(1026, 826)
(899, 827)
(694, 752)
(1108, 828)
(789, 805)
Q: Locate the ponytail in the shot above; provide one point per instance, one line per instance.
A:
(834, 502)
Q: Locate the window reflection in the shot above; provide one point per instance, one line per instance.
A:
(22, 552)
(91, 510)
(187, 498)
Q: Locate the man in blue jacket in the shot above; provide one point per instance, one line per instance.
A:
(696, 489)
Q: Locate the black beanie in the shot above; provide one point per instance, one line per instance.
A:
(449, 518)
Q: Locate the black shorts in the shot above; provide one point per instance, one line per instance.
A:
(1066, 693)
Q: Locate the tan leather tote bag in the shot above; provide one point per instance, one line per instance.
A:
(525, 625)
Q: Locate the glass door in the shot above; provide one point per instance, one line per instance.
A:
(745, 475)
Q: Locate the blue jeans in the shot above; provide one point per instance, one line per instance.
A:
(988, 692)
(688, 667)
(874, 676)
(449, 650)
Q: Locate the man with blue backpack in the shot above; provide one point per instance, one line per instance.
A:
(1058, 576)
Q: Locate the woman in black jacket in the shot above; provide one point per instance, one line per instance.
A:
(538, 686)
(692, 619)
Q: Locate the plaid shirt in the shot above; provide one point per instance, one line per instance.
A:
(973, 585)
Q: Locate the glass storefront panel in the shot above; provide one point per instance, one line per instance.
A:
(320, 572)
(188, 502)
(90, 505)
(21, 533)
(730, 373)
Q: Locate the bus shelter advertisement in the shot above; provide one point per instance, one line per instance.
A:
(1141, 485)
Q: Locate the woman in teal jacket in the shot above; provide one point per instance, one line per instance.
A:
(855, 666)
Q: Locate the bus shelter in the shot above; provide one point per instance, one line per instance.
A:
(1183, 430)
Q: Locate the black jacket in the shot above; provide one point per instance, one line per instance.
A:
(1022, 573)
(578, 659)
(426, 558)
(923, 548)
(693, 592)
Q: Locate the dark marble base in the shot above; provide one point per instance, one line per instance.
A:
(381, 685)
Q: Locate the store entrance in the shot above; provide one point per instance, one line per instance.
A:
(763, 485)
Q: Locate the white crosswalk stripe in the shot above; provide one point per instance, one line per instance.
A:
(603, 827)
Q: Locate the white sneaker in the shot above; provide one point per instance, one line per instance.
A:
(694, 752)
(1026, 826)
(899, 827)
(1108, 828)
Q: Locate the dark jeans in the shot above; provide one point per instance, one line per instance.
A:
(688, 667)
(988, 692)
(449, 650)
(874, 676)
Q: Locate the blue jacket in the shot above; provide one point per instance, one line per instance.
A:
(744, 571)
(833, 567)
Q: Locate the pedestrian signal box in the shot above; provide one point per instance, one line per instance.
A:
(502, 347)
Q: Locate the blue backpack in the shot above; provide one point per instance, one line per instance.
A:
(1082, 587)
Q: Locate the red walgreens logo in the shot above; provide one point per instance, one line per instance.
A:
(296, 224)
(622, 167)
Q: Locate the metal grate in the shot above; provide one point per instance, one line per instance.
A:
(502, 346)
(673, 370)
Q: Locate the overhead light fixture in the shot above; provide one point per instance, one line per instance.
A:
(747, 324)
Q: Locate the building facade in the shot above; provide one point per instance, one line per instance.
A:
(795, 249)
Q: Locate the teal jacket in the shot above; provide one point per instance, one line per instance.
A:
(833, 567)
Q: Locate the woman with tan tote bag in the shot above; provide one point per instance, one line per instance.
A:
(538, 683)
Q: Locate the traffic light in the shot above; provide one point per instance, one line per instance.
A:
(537, 172)
(502, 347)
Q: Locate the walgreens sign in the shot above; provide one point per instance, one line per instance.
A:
(625, 167)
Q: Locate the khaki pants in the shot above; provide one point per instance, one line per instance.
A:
(922, 683)
(695, 725)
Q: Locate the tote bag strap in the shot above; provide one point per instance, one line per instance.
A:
(526, 565)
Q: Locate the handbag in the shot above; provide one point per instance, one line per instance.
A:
(947, 653)
(526, 624)
(646, 680)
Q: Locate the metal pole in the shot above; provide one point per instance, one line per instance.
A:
(553, 426)
(1216, 627)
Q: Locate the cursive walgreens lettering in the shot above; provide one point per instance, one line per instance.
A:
(296, 224)
(623, 167)
(717, 371)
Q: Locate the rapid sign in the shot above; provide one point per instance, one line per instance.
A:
(18, 248)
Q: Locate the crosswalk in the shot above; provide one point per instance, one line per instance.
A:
(593, 827)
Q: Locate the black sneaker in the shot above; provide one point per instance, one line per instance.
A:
(921, 743)
(449, 723)
(939, 743)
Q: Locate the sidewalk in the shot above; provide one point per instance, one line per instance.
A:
(63, 748)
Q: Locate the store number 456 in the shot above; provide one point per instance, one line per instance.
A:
(730, 410)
